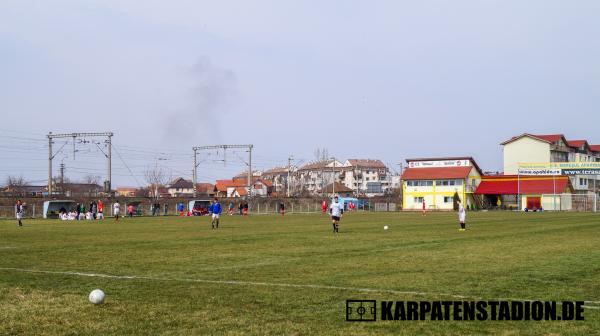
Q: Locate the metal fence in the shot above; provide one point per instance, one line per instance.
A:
(258, 208)
(29, 211)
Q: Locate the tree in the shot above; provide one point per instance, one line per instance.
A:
(16, 184)
(156, 177)
(455, 200)
(91, 179)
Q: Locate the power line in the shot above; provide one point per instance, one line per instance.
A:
(131, 172)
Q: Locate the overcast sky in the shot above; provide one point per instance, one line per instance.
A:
(364, 79)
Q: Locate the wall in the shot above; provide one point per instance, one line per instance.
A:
(524, 150)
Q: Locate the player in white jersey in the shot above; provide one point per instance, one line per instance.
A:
(19, 212)
(336, 210)
(462, 214)
(116, 210)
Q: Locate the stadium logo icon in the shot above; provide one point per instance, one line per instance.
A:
(361, 310)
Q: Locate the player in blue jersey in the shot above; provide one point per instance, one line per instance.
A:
(216, 213)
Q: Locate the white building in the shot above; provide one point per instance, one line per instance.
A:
(181, 187)
(313, 177)
(529, 148)
(366, 177)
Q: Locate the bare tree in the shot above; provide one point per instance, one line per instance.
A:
(92, 183)
(321, 154)
(156, 177)
(16, 184)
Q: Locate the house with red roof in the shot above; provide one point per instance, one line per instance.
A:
(436, 181)
(545, 148)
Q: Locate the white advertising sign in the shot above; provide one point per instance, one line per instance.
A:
(441, 163)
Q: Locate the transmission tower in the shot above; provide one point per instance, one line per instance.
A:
(74, 136)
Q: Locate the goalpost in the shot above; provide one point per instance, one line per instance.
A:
(571, 202)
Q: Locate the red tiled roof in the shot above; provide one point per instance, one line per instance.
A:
(205, 187)
(222, 185)
(595, 148)
(436, 173)
(265, 182)
(276, 170)
(549, 137)
(316, 165)
(241, 191)
(543, 137)
(368, 163)
(513, 185)
(576, 143)
(339, 188)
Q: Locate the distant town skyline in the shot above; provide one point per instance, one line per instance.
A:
(381, 80)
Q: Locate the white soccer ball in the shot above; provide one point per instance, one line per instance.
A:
(385, 227)
(97, 296)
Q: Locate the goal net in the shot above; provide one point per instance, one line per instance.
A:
(571, 202)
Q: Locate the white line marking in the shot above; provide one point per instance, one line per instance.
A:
(268, 284)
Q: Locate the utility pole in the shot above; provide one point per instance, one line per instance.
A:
(51, 155)
(250, 170)
(290, 158)
(224, 148)
(109, 167)
(62, 178)
(194, 172)
(333, 179)
(356, 168)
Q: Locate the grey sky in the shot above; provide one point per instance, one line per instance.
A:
(365, 79)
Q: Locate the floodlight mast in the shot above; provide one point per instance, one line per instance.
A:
(224, 147)
(51, 155)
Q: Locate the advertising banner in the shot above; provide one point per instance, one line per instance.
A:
(559, 168)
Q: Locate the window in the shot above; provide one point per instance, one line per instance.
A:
(418, 199)
(419, 183)
(367, 179)
(448, 199)
(374, 187)
(444, 183)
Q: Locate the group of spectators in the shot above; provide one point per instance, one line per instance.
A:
(80, 212)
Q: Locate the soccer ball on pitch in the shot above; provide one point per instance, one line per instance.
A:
(97, 296)
(385, 227)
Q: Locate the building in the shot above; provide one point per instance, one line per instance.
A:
(338, 189)
(437, 180)
(181, 187)
(530, 148)
(205, 189)
(244, 175)
(24, 191)
(313, 177)
(262, 187)
(82, 189)
(526, 192)
(279, 177)
(126, 191)
(366, 177)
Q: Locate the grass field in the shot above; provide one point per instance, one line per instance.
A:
(291, 276)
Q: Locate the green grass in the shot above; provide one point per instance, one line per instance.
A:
(502, 255)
